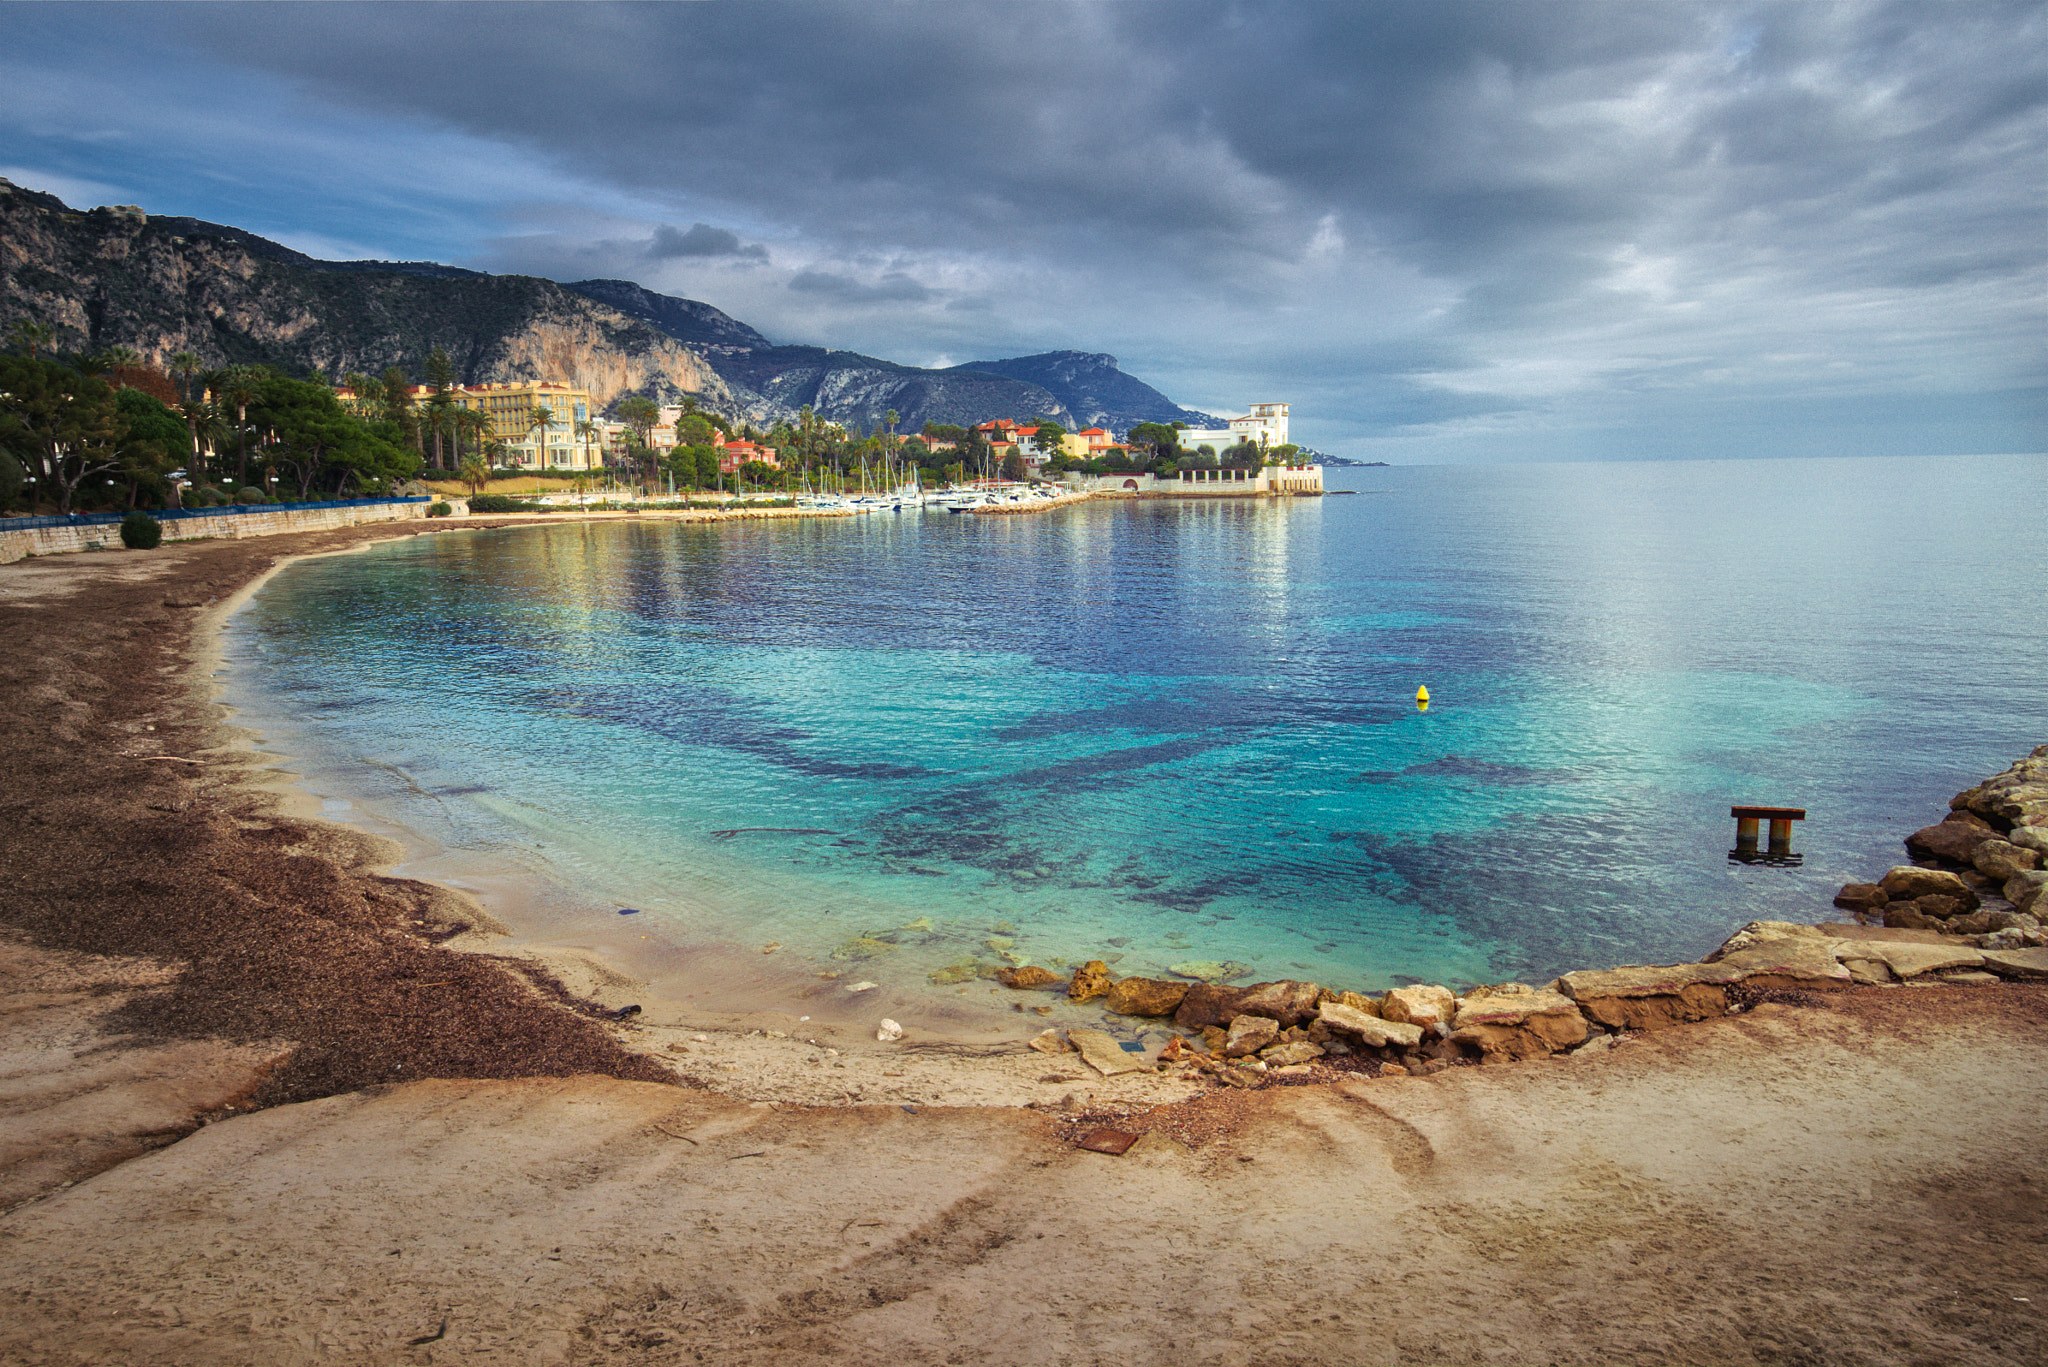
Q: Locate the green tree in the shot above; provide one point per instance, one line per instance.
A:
(640, 414)
(398, 405)
(320, 443)
(30, 337)
(150, 446)
(61, 426)
(238, 391)
(1014, 466)
(185, 365)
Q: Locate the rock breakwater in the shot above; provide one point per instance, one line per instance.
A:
(1964, 911)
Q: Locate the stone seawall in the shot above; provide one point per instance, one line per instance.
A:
(18, 545)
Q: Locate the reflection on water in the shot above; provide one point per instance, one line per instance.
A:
(1164, 733)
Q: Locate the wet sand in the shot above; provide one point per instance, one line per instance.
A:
(254, 1108)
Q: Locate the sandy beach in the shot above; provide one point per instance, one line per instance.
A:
(262, 1101)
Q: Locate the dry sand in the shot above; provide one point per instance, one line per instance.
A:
(216, 1151)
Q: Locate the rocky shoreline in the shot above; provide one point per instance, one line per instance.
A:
(1963, 912)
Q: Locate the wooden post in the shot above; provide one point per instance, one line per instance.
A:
(1781, 819)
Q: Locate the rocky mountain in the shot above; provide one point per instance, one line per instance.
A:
(1092, 390)
(115, 277)
(111, 277)
(847, 387)
(686, 320)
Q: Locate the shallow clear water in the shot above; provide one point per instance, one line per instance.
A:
(1171, 732)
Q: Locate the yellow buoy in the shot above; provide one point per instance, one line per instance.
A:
(1422, 694)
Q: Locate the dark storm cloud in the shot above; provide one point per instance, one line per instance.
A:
(1457, 215)
(702, 240)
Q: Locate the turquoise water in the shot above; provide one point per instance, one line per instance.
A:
(1167, 733)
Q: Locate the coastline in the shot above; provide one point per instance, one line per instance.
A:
(188, 943)
(771, 1016)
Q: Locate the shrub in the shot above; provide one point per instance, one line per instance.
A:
(141, 532)
(501, 503)
(441, 510)
(249, 493)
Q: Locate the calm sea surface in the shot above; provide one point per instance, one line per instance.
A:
(1170, 733)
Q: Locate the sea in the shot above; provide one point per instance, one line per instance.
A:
(1179, 736)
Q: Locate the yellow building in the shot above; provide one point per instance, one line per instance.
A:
(568, 442)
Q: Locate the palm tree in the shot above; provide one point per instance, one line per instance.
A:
(186, 365)
(477, 422)
(240, 390)
(539, 417)
(28, 336)
(475, 473)
(439, 415)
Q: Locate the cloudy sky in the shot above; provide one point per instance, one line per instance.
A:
(1442, 229)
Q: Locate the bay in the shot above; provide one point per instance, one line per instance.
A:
(1174, 732)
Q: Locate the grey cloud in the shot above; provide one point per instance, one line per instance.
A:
(893, 287)
(702, 240)
(1617, 186)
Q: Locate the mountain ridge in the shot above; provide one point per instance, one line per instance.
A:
(114, 276)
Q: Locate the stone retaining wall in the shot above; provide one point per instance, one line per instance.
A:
(16, 545)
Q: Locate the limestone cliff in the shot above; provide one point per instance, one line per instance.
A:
(109, 278)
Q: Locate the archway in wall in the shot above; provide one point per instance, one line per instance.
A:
(1132, 485)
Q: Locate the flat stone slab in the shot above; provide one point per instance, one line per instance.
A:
(1099, 1049)
(1810, 959)
(1512, 1005)
(1371, 1029)
(1911, 960)
(1843, 930)
(2017, 963)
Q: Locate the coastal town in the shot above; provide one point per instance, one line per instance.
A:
(195, 446)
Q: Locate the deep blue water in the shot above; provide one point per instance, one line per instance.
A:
(1177, 732)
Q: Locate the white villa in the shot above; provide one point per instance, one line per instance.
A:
(1265, 425)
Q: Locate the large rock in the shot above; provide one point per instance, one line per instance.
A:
(1249, 1034)
(1030, 975)
(1090, 981)
(2033, 838)
(1516, 1021)
(1906, 883)
(1861, 897)
(1647, 997)
(1368, 1029)
(1207, 1004)
(1805, 962)
(2011, 797)
(1956, 837)
(1425, 1005)
(1908, 916)
(1756, 933)
(1289, 1002)
(2017, 963)
(2026, 890)
(1145, 996)
(1099, 1049)
(2001, 859)
(1294, 1051)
